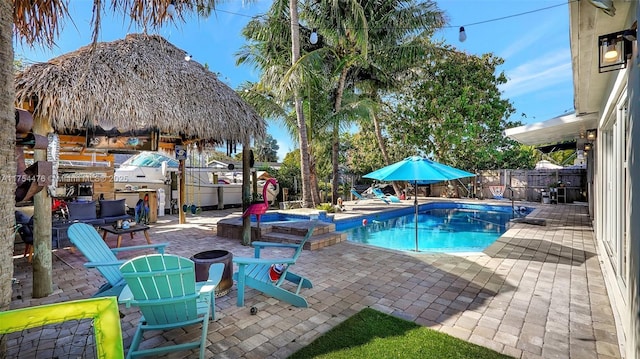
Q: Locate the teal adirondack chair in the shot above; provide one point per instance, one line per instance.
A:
(164, 288)
(100, 256)
(254, 273)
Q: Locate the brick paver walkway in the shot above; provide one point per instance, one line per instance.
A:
(538, 292)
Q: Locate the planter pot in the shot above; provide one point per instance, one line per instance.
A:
(204, 260)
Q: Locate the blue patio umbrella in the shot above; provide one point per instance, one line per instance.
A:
(418, 170)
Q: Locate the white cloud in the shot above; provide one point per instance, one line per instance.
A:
(545, 71)
(526, 42)
(539, 70)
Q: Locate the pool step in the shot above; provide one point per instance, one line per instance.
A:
(323, 235)
(300, 228)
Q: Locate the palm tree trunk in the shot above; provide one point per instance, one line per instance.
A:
(383, 148)
(313, 180)
(335, 146)
(7, 161)
(302, 126)
(335, 161)
(313, 177)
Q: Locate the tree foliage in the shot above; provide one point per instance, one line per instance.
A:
(289, 174)
(362, 154)
(18, 64)
(365, 42)
(275, 48)
(266, 149)
(451, 110)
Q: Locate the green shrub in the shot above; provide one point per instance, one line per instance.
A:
(326, 207)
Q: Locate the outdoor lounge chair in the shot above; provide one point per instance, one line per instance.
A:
(359, 197)
(100, 256)
(385, 197)
(258, 273)
(163, 286)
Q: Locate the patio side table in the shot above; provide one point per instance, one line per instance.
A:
(120, 231)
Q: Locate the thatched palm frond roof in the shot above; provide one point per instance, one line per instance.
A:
(140, 82)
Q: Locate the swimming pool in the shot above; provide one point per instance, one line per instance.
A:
(281, 217)
(442, 227)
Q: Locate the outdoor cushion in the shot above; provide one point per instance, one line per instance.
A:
(112, 208)
(82, 210)
(23, 218)
(112, 211)
(26, 228)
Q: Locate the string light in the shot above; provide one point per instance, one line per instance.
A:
(513, 15)
(463, 34)
(171, 9)
(448, 26)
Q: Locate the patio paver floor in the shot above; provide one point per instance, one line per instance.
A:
(537, 292)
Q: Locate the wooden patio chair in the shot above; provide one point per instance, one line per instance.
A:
(101, 257)
(257, 273)
(163, 286)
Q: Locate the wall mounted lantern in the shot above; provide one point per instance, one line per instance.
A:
(587, 147)
(614, 50)
(592, 134)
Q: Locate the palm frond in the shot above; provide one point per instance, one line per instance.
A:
(41, 20)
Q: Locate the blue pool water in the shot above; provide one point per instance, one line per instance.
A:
(278, 217)
(273, 220)
(442, 227)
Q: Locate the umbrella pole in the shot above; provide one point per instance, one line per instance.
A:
(415, 204)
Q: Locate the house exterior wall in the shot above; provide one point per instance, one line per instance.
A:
(615, 198)
(632, 346)
(612, 179)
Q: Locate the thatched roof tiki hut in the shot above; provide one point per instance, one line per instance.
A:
(140, 82)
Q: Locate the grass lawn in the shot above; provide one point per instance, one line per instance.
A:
(372, 334)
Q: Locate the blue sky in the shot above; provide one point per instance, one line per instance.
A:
(535, 47)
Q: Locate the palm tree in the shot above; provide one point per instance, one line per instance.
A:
(372, 41)
(307, 199)
(40, 24)
(266, 150)
(274, 48)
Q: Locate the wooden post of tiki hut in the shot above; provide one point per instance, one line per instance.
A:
(42, 265)
(182, 178)
(246, 194)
